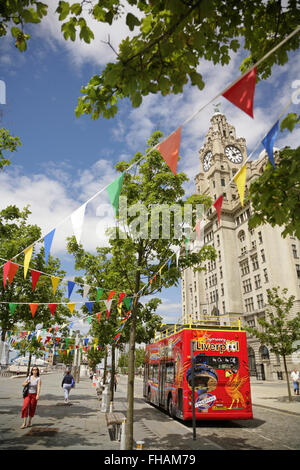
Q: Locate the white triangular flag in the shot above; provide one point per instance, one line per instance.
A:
(85, 290)
(108, 304)
(77, 222)
(177, 256)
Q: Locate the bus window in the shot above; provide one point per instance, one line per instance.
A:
(155, 373)
(170, 373)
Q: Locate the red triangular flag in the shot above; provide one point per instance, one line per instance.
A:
(6, 268)
(111, 294)
(52, 308)
(241, 94)
(12, 272)
(122, 295)
(33, 308)
(169, 150)
(218, 205)
(99, 316)
(34, 277)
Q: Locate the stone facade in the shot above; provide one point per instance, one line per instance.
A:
(249, 261)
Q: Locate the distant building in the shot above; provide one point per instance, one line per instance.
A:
(249, 261)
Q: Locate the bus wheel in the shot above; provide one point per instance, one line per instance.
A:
(170, 407)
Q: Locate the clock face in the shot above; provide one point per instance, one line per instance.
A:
(233, 154)
(207, 161)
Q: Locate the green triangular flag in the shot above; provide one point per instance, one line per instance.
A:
(99, 294)
(114, 190)
(12, 308)
(127, 301)
(89, 320)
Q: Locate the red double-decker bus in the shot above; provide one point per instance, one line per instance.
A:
(221, 372)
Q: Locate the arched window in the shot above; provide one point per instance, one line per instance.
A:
(241, 236)
(264, 352)
(251, 358)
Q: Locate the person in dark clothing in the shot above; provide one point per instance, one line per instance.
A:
(67, 384)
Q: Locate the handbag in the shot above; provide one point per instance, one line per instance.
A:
(26, 390)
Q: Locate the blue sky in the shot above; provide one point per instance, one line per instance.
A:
(64, 160)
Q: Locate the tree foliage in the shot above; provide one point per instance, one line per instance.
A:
(168, 40)
(8, 143)
(275, 195)
(279, 330)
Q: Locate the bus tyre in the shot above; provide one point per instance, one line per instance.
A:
(170, 407)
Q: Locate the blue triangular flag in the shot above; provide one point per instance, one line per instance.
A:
(169, 263)
(71, 285)
(89, 306)
(268, 142)
(47, 243)
(86, 340)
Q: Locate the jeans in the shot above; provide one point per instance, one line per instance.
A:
(67, 388)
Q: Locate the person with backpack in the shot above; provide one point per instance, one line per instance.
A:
(67, 383)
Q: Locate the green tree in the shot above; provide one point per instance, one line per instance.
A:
(8, 143)
(275, 195)
(279, 331)
(16, 235)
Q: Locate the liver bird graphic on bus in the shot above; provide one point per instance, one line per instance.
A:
(233, 386)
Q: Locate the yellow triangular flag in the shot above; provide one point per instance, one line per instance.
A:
(71, 307)
(28, 254)
(55, 281)
(240, 180)
(119, 308)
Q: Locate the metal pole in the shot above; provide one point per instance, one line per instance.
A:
(193, 390)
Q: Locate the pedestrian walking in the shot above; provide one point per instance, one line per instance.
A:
(67, 383)
(32, 397)
(295, 378)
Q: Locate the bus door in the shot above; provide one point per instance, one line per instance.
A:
(162, 383)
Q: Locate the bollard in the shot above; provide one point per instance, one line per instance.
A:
(105, 398)
(123, 435)
(140, 445)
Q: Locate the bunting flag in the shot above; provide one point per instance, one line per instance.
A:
(33, 308)
(71, 285)
(111, 294)
(71, 306)
(218, 206)
(169, 263)
(108, 307)
(52, 308)
(177, 257)
(34, 278)
(98, 316)
(268, 142)
(12, 308)
(199, 227)
(169, 150)
(122, 295)
(99, 294)
(241, 94)
(28, 254)
(77, 222)
(54, 281)
(240, 180)
(12, 272)
(127, 302)
(47, 244)
(114, 191)
(86, 290)
(89, 306)
(6, 268)
(119, 308)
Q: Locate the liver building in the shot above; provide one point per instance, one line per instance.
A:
(248, 261)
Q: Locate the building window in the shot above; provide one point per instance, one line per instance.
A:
(221, 272)
(298, 270)
(263, 258)
(219, 253)
(241, 236)
(253, 244)
(251, 323)
(260, 301)
(243, 250)
(249, 305)
(218, 240)
(294, 251)
(266, 275)
(223, 306)
(222, 182)
(255, 262)
(257, 281)
(247, 286)
(245, 268)
(260, 238)
(264, 352)
(222, 289)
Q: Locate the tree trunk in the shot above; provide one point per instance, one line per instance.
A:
(287, 379)
(105, 366)
(29, 364)
(113, 371)
(130, 384)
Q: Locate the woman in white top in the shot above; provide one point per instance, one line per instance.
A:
(30, 401)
